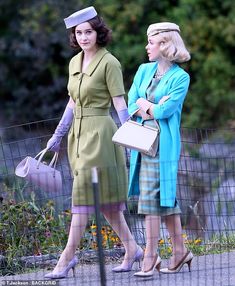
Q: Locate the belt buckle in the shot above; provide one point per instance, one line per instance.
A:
(78, 112)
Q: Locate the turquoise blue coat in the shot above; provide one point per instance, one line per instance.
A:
(174, 83)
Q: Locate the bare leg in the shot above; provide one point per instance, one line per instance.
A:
(152, 226)
(119, 225)
(173, 224)
(77, 228)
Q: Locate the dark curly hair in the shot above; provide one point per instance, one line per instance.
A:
(104, 34)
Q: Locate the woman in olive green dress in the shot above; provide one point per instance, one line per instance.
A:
(95, 80)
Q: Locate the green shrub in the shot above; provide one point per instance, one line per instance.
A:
(28, 230)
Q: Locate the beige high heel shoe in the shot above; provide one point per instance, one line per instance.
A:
(187, 258)
(150, 272)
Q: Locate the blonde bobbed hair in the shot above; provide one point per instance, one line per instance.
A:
(172, 46)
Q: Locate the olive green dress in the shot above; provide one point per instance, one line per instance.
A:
(90, 137)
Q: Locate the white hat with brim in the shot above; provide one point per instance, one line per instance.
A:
(79, 17)
(157, 28)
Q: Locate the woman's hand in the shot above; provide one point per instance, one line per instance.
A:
(161, 101)
(143, 104)
(145, 108)
(143, 115)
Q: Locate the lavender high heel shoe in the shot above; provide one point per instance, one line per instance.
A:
(137, 257)
(64, 273)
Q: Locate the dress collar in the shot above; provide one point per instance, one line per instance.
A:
(77, 68)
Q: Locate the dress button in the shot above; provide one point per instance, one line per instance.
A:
(76, 173)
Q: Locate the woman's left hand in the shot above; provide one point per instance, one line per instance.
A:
(145, 116)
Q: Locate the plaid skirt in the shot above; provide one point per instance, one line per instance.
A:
(149, 183)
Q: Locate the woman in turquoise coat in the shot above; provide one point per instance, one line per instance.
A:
(157, 93)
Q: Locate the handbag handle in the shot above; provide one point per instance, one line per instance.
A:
(41, 155)
(142, 122)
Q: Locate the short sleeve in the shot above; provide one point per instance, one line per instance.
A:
(114, 78)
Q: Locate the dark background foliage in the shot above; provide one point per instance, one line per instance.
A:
(34, 54)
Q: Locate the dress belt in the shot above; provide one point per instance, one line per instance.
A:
(80, 112)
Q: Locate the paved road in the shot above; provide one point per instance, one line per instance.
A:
(209, 270)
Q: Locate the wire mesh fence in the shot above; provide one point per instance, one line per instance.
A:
(35, 223)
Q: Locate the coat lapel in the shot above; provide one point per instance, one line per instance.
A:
(149, 73)
(77, 68)
(95, 61)
(166, 77)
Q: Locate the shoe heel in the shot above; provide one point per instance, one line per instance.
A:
(158, 266)
(189, 264)
(73, 268)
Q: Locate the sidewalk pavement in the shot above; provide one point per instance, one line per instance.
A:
(207, 270)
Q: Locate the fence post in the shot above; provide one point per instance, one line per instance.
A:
(95, 185)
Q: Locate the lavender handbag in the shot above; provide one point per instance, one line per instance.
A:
(138, 136)
(46, 177)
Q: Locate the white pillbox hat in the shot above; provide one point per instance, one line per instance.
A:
(80, 17)
(161, 27)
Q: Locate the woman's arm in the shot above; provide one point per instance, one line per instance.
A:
(176, 97)
(119, 103)
(133, 94)
(121, 108)
(62, 128)
(133, 97)
(71, 103)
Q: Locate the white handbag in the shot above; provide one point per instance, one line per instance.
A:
(44, 176)
(138, 136)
